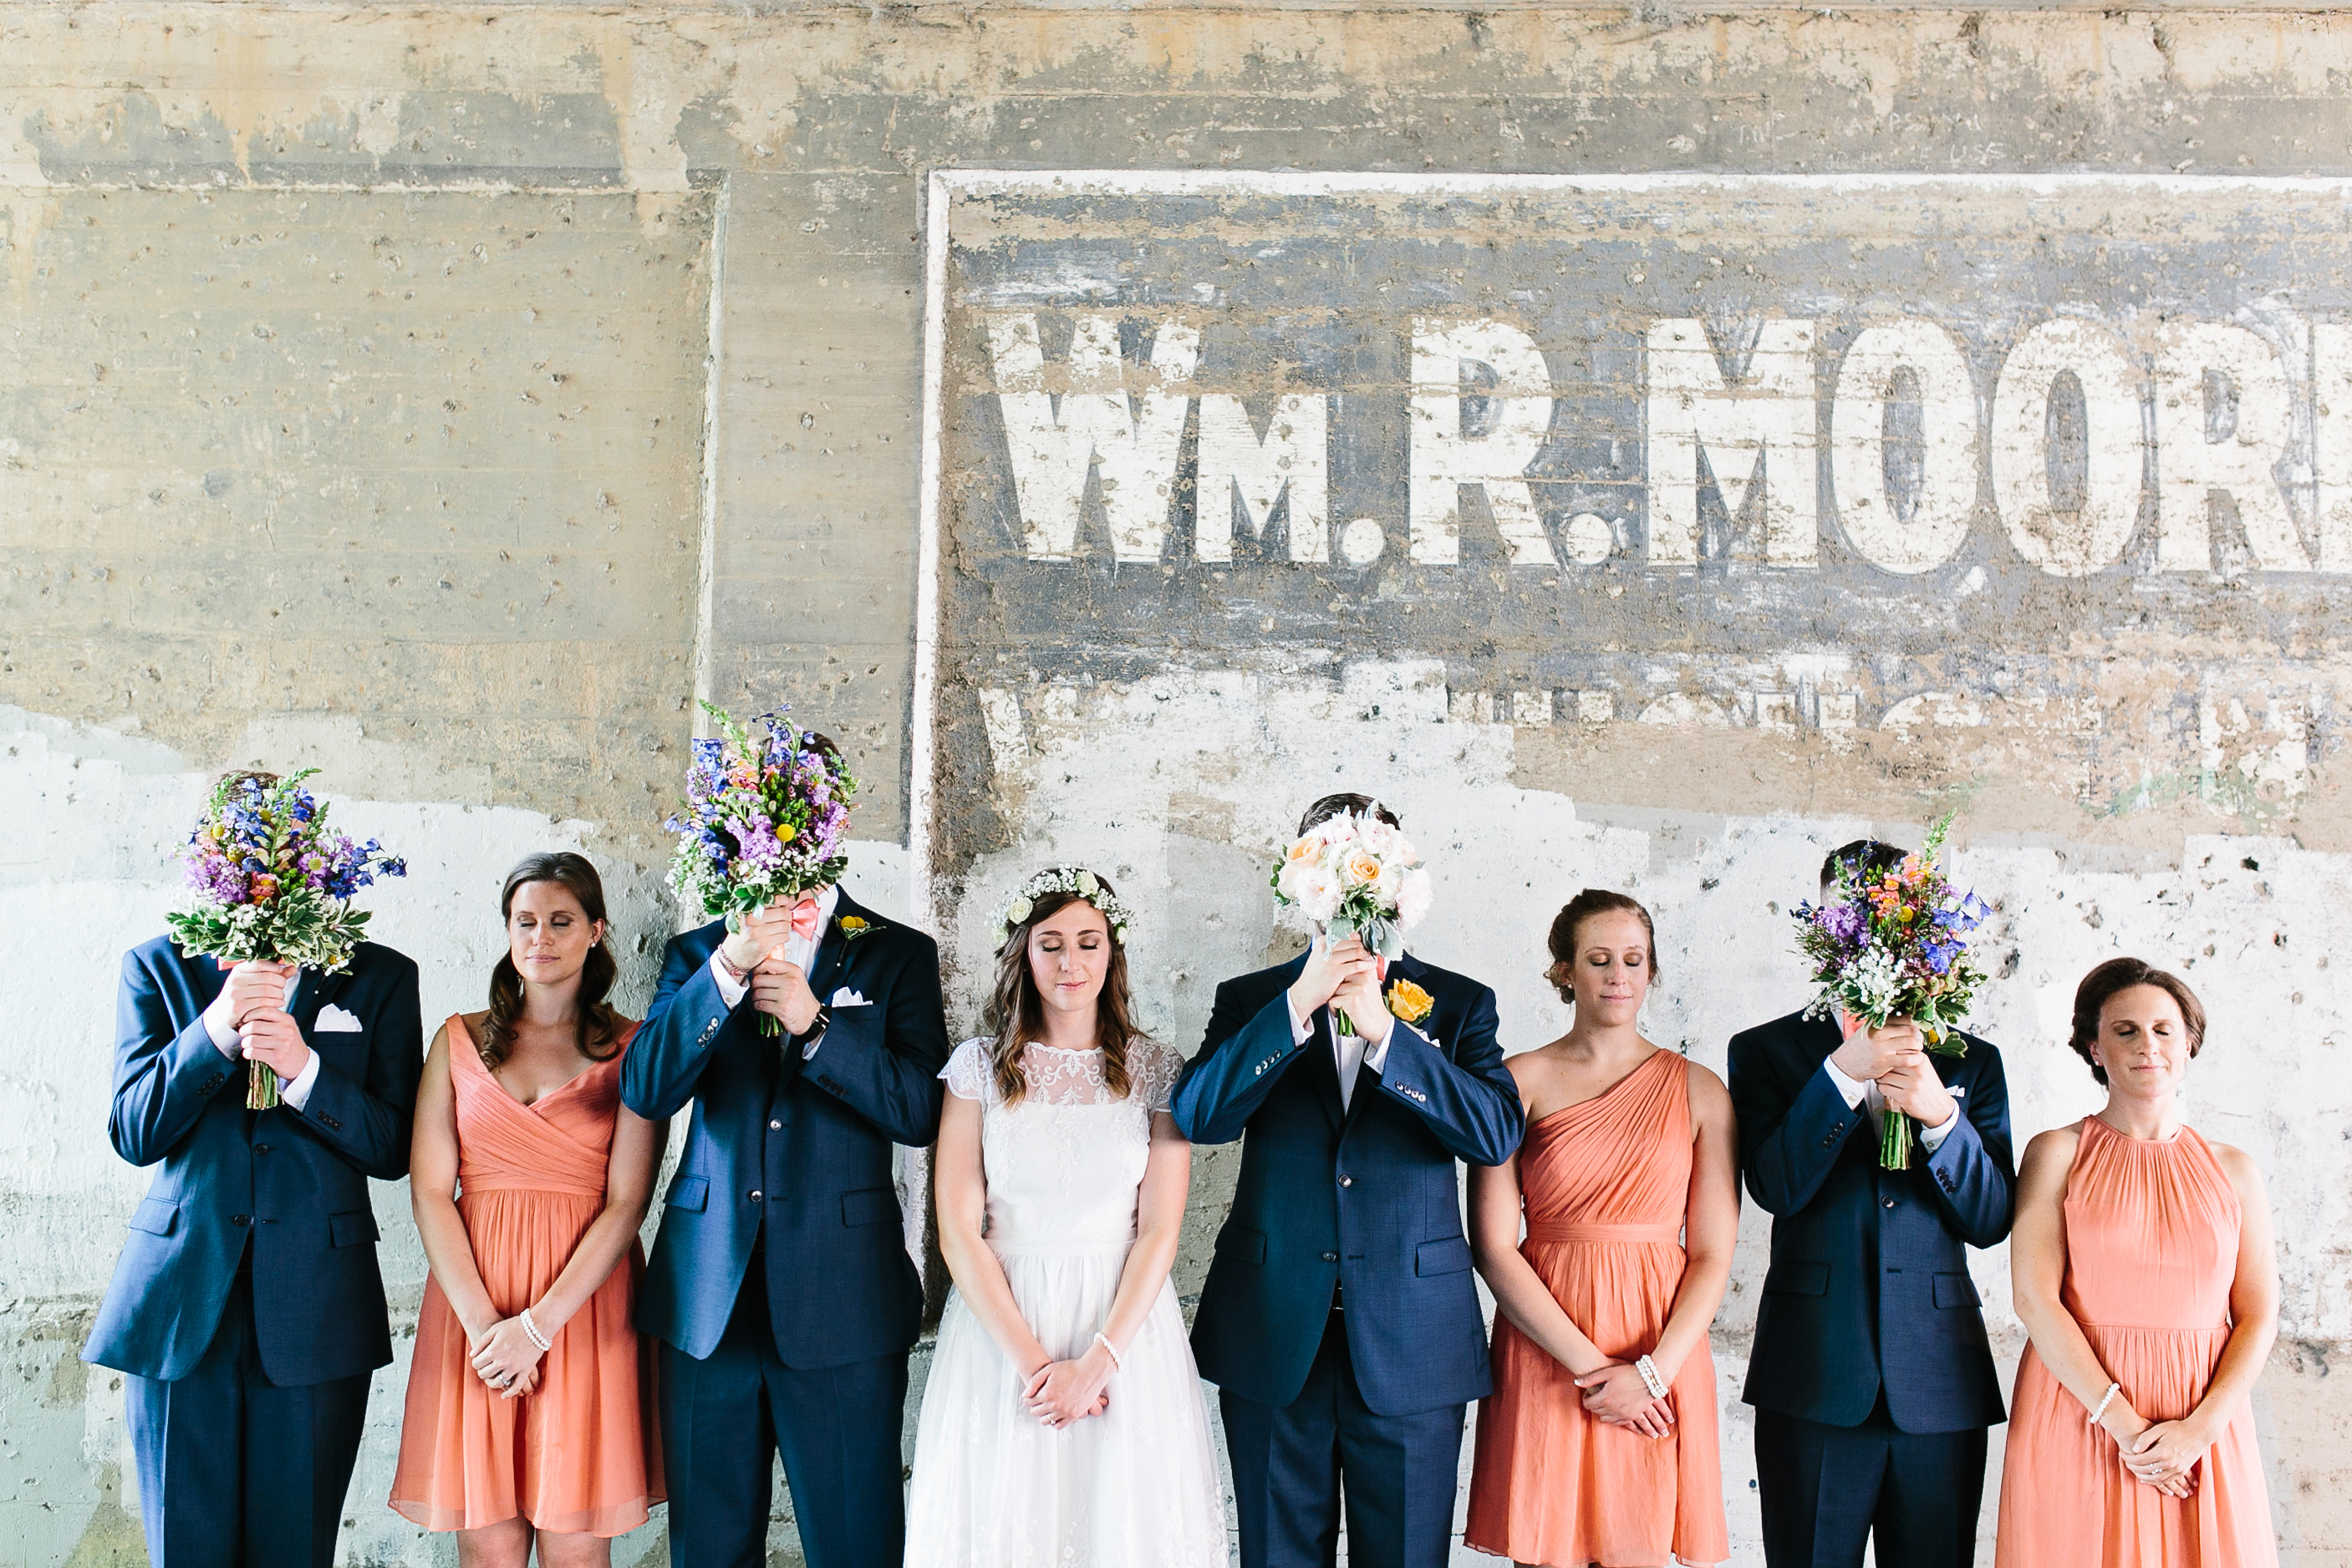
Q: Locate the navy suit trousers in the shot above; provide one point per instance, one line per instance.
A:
(1826, 1489)
(837, 1428)
(1402, 1471)
(235, 1471)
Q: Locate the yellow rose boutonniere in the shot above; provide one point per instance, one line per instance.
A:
(853, 927)
(1409, 1002)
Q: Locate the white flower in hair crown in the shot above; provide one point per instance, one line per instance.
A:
(1064, 879)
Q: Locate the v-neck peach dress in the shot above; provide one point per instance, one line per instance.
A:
(580, 1453)
(2151, 1252)
(1605, 1184)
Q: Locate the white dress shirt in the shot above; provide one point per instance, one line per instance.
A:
(1863, 1094)
(295, 1091)
(1350, 1053)
(800, 950)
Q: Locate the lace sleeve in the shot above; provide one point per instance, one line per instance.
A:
(967, 1074)
(1160, 1069)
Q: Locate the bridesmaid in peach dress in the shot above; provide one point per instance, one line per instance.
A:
(1598, 1445)
(2145, 1278)
(531, 1413)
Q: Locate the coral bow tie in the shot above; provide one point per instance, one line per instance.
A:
(804, 918)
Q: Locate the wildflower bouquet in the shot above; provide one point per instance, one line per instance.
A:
(763, 820)
(273, 882)
(1895, 946)
(1354, 875)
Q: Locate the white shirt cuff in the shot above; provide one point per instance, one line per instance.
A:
(298, 1093)
(730, 991)
(224, 1036)
(1932, 1138)
(1376, 1057)
(1299, 1027)
(1851, 1088)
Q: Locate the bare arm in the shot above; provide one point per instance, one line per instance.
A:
(433, 1196)
(1073, 1388)
(2171, 1448)
(1710, 1223)
(1521, 1293)
(962, 1188)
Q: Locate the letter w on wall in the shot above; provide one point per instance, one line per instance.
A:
(1767, 419)
(1052, 451)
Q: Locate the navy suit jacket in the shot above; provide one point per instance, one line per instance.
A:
(291, 1183)
(1869, 1280)
(804, 1146)
(1369, 1198)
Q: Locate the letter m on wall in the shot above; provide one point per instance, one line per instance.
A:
(1762, 428)
(1052, 451)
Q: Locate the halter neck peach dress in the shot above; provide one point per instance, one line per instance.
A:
(2151, 1252)
(1605, 1185)
(580, 1453)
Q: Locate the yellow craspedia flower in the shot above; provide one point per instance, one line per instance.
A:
(1409, 1002)
(786, 833)
(852, 924)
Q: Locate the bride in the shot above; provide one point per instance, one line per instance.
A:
(1062, 1423)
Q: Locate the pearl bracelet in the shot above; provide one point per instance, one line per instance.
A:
(1650, 1378)
(2105, 1400)
(1111, 1351)
(530, 1328)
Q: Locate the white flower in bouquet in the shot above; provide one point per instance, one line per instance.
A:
(1318, 893)
(1414, 897)
(1354, 875)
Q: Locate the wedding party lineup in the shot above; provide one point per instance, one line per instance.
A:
(1121, 784)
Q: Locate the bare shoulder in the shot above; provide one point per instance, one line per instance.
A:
(2050, 1154)
(1707, 1092)
(2238, 1165)
(1530, 1068)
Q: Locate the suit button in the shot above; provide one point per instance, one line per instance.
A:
(1346, 1180)
(776, 1126)
(261, 1148)
(240, 1219)
(755, 1195)
(1888, 1202)
(1330, 1257)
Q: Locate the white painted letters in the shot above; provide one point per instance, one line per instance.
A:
(2244, 462)
(2067, 543)
(1768, 420)
(1051, 457)
(1948, 479)
(1444, 458)
(1232, 459)
(2331, 440)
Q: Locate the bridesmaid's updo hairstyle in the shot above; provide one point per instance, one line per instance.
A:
(2120, 974)
(1015, 1014)
(599, 1026)
(1585, 906)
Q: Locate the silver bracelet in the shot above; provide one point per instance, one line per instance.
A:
(531, 1329)
(1650, 1378)
(1111, 1351)
(2105, 1400)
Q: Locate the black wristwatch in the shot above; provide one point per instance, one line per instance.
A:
(818, 1025)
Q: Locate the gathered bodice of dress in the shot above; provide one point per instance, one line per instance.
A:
(2151, 1232)
(1064, 1164)
(1616, 1167)
(561, 1143)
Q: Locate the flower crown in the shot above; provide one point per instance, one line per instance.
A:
(1064, 879)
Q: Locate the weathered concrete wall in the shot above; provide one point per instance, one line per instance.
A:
(446, 395)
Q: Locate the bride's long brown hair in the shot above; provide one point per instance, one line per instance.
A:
(599, 1026)
(1015, 1014)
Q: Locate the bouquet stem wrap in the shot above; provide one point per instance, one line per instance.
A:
(1891, 945)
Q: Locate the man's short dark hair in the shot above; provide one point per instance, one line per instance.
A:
(1864, 857)
(1332, 805)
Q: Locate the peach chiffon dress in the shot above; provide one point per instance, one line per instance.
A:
(2151, 1252)
(1605, 1184)
(580, 1453)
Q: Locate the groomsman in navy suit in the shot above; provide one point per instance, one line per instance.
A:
(780, 1284)
(1871, 1376)
(245, 1309)
(1340, 1321)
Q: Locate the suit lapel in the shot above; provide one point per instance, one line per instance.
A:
(312, 992)
(832, 951)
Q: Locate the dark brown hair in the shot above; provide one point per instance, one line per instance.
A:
(1015, 1014)
(1345, 805)
(2119, 974)
(236, 776)
(1587, 904)
(599, 1026)
(1864, 857)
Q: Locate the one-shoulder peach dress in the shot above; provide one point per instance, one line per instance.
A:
(1605, 1185)
(2151, 1252)
(580, 1453)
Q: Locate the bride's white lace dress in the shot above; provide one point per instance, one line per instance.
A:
(1136, 1486)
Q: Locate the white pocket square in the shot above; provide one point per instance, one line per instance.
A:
(846, 997)
(333, 1020)
(1957, 1087)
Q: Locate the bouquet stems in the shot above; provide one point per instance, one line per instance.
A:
(260, 1087)
(1895, 1140)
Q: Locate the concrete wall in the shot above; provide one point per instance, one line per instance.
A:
(445, 396)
